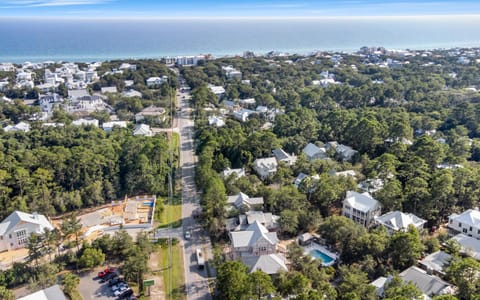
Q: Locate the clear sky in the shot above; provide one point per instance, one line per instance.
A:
(234, 8)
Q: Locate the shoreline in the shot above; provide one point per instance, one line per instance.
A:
(259, 53)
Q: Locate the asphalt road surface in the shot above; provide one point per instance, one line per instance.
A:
(196, 283)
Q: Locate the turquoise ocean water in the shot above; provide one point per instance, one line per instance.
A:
(93, 40)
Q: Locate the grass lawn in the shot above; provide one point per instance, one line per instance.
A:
(171, 215)
(174, 277)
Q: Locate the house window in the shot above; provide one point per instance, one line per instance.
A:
(478, 232)
(464, 230)
(10, 236)
(347, 207)
(459, 224)
(20, 234)
(451, 221)
(470, 228)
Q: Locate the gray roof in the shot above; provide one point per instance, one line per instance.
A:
(428, 284)
(52, 293)
(313, 151)
(397, 220)
(436, 261)
(242, 199)
(469, 245)
(280, 154)
(251, 235)
(270, 264)
(17, 216)
(74, 94)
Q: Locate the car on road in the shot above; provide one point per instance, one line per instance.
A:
(188, 235)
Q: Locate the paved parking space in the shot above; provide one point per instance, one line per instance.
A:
(90, 287)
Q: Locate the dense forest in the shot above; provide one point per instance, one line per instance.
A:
(415, 126)
(56, 170)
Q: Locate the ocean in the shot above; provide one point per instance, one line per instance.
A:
(38, 40)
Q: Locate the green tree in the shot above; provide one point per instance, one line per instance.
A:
(260, 284)
(355, 284)
(135, 266)
(463, 273)
(405, 248)
(6, 294)
(289, 222)
(91, 257)
(396, 289)
(70, 283)
(232, 281)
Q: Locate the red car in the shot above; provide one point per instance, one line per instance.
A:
(105, 272)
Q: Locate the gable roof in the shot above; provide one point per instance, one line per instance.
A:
(280, 154)
(469, 245)
(312, 150)
(363, 202)
(398, 220)
(251, 235)
(428, 284)
(142, 129)
(267, 163)
(242, 199)
(270, 264)
(52, 293)
(436, 261)
(17, 216)
(470, 217)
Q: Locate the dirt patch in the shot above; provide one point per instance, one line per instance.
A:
(157, 291)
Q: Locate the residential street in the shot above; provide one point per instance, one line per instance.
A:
(196, 283)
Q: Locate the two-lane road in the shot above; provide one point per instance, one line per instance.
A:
(196, 282)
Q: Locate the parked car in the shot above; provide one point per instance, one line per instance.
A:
(188, 235)
(105, 272)
(115, 281)
(108, 277)
(119, 286)
(125, 294)
(120, 290)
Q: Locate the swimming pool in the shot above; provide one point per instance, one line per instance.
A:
(326, 260)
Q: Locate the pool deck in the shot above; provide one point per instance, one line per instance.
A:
(315, 246)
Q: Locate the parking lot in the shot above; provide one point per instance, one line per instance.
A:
(91, 288)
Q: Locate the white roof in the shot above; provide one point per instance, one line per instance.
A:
(239, 172)
(85, 122)
(216, 121)
(397, 220)
(17, 216)
(217, 89)
(270, 264)
(469, 217)
(121, 124)
(142, 129)
(242, 199)
(363, 202)
(22, 126)
(469, 245)
(268, 162)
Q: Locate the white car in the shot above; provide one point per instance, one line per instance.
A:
(120, 291)
(119, 286)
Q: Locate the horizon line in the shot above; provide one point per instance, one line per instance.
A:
(233, 18)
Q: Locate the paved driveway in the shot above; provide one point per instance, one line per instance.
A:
(90, 288)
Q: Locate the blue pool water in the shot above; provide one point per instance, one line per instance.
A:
(324, 257)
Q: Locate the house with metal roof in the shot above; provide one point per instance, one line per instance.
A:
(243, 201)
(283, 156)
(361, 208)
(17, 228)
(467, 223)
(52, 293)
(469, 246)
(313, 152)
(435, 262)
(430, 285)
(396, 221)
(265, 167)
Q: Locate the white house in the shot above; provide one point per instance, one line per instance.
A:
(142, 129)
(468, 245)
(231, 72)
(132, 93)
(238, 172)
(435, 263)
(52, 293)
(265, 166)
(241, 200)
(22, 126)
(216, 121)
(217, 90)
(85, 122)
(109, 89)
(397, 220)
(108, 126)
(467, 223)
(361, 208)
(156, 81)
(18, 226)
(314, 152)
(256, 247)
(243, 114)
(283, 156)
